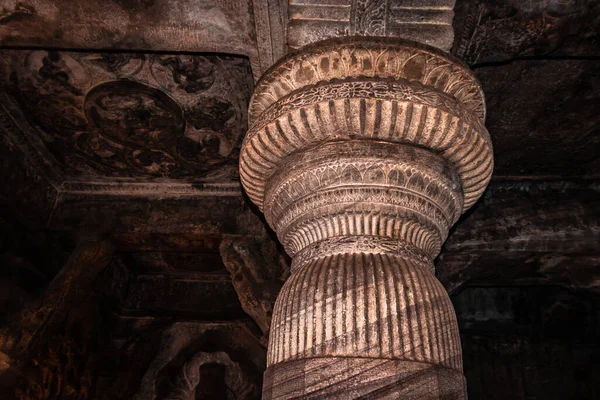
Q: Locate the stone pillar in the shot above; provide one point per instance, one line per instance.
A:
(362, 153)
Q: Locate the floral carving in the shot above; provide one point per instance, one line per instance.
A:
(133, 115)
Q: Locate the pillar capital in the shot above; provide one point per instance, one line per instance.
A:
(386, 89)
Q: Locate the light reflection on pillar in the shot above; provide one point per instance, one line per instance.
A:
(362, 153)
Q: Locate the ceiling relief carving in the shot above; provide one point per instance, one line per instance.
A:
(500, 30)
(251, 28)
(122, 115)
(428, 21)
(195, 360)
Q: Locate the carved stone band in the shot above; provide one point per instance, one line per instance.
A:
(361, 378)
(360, 244)
(364, 57)
(331, 190)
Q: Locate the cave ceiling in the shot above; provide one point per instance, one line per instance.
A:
(131, 123)
(109, 116)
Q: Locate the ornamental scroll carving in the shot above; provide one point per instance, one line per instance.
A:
(428, 21)
(131, 115)
(362, 153)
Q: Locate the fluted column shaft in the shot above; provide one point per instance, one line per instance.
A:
(362, 154)
(362, 313)
(350, 325)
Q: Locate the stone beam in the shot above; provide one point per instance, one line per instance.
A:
(426, 21)
(575, 271)
(251, 28)
(532, 232)
(206, 26)
(190, 209)
(539, 216)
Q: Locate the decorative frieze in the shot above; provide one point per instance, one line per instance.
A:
(428, 21)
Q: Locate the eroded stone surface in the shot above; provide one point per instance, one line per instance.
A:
(518, 339)
(130, 115)
(489, 31)
(257, 272)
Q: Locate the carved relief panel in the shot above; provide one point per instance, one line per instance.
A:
(134, 115)
(427, 21)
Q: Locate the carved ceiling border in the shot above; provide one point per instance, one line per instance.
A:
(40, 195)
(23, 135)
